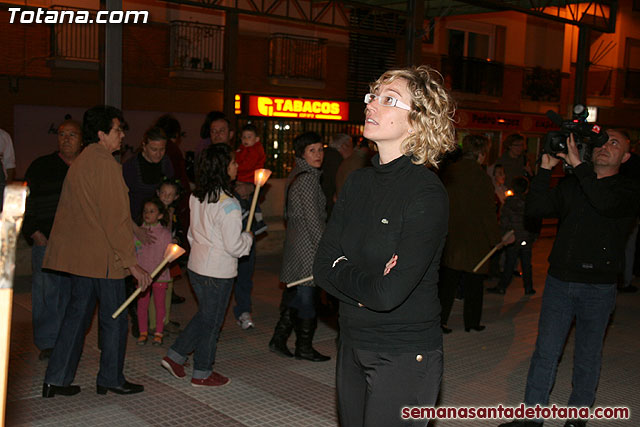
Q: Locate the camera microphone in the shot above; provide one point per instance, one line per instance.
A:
(555, 117)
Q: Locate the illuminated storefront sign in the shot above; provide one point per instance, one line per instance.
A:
(468, 119)
(271, 106)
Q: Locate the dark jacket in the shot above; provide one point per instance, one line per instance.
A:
(512, 217)
(330, 165)
(44, 177)
(396, 208)
(141, 187)
(595, 219)
(473, 224)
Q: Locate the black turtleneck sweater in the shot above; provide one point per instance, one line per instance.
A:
(397, 208)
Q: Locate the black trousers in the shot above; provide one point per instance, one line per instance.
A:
(85, 292)
(373, 387)
(472, 285)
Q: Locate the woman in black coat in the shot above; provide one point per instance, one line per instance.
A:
(381, 250)
(305, 215)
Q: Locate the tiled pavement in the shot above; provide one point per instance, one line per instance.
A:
(484, 368)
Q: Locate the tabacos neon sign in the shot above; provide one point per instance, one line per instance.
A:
(270, 106)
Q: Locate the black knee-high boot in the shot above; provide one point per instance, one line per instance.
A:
(282, 331)
(305, 330)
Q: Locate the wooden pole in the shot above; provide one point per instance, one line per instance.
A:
(15, 197)
(298, 282)
(507, 236)
(172, 252)
(6, 304)
(260, 177)
(252, 211)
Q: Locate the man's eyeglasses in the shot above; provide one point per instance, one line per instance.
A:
(386, 100)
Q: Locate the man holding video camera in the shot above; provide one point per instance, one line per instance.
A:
(596, 207)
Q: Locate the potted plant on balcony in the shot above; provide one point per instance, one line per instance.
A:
(195, 62)
(207, 64)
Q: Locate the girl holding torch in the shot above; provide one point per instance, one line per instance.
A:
(381, 251)
(217, 241)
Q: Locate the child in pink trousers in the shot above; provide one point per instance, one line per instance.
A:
(154, 219)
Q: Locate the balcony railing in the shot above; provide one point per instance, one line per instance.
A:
(540, 84)
(473, 75)
(632, 84)
(75, 42)
(196, 47)
(297, 57)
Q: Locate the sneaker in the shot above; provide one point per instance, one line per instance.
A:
(157, 339)
(213, 380)
(142, 339)
(244, 321)
(175, 369)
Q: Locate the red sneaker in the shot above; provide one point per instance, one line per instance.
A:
(174, 368)
(214, 380)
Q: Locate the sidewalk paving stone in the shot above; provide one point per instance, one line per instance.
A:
(481, 369)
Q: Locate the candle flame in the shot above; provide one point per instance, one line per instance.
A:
(508, 193)
(261, 176)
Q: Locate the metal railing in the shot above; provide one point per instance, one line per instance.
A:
(196, 46)
(297, 57)
(75, 42)
(473, 75)
(541, 84)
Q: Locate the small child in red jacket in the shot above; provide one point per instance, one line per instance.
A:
(249, 156)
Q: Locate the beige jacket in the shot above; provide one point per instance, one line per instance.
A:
(92, 234)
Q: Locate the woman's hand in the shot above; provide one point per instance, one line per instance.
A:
(390, 264)
(144, 235)
(508, 238)
(143, 278)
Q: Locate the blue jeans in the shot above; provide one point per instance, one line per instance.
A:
(305, 302)
(512, 253)
(629, 256)
(50, 294)
(85, 291)
(201, 334)
(244, 284)
(591, 305)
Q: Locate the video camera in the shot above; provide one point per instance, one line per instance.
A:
(587, 135)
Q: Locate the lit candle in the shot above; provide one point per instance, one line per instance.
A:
(171, 253)
(260, 178)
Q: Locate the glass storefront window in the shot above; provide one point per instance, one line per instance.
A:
(277, 137)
